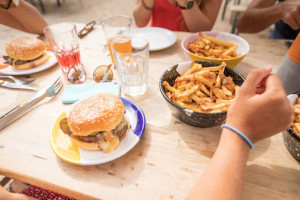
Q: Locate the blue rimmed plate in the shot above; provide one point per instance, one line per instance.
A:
(63, 148)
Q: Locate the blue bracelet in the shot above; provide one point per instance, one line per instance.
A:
(239, 133)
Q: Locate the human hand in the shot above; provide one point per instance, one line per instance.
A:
(291, 13)
(261, 108)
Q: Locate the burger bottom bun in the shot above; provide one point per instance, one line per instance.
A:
(32, 64)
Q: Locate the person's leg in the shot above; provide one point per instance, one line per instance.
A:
(6, 195)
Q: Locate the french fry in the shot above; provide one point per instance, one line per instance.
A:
(210, 47)
(297, 109)
(200, 94)
(226, 91)
(196, 67)
(188, 93)
(230, 50)
(215, 40)
(297, 118)
(207, 106)
(203, 89)
(297, 128)
(214, 69)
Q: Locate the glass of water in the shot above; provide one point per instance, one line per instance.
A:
(132, 67)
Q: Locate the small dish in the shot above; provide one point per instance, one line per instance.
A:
(242, 50)
(11, 71)
(187, 116)
(63, 148)
(292, 140)
(158, 38)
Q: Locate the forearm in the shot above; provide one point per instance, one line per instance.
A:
(203, 17)
(141, 14)
(191, 18)
(25, 18)
(258, 19)
(223, 177)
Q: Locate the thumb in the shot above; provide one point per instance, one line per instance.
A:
(254, 80)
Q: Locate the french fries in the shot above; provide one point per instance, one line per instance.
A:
(211, 47)
(296, 123)
(205, 90)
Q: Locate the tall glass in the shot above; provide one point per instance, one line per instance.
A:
(132, 67)
(64, 42)
(114, 27)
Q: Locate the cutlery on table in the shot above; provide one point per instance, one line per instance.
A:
(22, 108)
(17, 80)
(8, 84)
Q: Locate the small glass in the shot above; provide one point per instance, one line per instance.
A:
(115, 26)
(63, 39)
(132, 67)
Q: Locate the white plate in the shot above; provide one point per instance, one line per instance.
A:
(159, 38)
(67, 151)
(11, 71)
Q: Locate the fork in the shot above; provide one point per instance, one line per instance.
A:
(24, 107)
(17, 80)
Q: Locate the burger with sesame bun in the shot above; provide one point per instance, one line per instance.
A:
(26, 52)
(97, 123)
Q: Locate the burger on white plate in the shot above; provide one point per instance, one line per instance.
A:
(26, 53)
(97, 123)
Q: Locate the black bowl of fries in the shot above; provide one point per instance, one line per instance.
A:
(215, 47)
(291, 136)
(200, 93)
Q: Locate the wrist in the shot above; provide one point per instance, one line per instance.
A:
(239, 133)
(231, 140)
(242, 126)
(186, 5)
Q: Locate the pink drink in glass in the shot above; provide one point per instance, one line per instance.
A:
(64, 42)
(68, 59)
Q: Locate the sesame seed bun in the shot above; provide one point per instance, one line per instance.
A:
(25, 48)
(101, 112)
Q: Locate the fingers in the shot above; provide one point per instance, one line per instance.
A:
(291, 14)
(292, 22)
(254, 80)
(273, 83)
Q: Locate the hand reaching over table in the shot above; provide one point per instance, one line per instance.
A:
(260, 110)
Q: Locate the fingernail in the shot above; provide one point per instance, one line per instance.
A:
(268, 67)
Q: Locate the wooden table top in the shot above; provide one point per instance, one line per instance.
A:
(170, 157)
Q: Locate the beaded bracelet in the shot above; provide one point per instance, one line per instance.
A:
(239, 133)
(146, 7)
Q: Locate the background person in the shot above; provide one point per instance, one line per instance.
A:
(258, 113)
(263, 13)
(177, 15)
(23, 17)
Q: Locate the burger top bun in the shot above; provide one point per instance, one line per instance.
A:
(25, 48)
(101, 112)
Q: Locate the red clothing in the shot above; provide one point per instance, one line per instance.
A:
(41, 194)
(168, 16)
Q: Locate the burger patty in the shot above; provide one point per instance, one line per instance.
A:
(9, 60)
(120, 131)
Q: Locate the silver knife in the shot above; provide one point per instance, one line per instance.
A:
(15, 85)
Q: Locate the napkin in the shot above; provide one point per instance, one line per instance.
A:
(76, 92)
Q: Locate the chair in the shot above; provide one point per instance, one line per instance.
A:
(237, 9)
